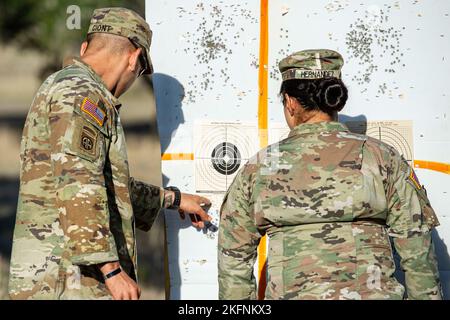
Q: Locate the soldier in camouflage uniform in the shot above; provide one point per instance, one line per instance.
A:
(78, 207)
(329, 201)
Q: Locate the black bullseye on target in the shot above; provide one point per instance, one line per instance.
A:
(226, 158)
(220, 150)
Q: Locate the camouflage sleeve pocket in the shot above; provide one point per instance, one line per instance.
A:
(85, 135)
(428, 215)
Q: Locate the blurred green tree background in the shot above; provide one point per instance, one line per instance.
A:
(41, 26)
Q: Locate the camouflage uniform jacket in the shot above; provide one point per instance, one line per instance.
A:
(77, 204)
(329, 201)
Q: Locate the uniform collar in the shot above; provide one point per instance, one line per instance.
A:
(78, 62)
(317, 127)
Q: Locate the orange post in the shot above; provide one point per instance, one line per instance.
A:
(262, 124)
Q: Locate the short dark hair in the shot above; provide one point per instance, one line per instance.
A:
(328, 95)
(115, 43)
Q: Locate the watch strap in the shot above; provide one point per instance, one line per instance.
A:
(112, 273)
(177, 197)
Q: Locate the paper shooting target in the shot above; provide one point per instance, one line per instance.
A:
(394, 138)
(278, 131)
(397, 134)
(226, 158)
(221, 149)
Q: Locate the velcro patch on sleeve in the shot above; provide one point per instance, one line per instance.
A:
(93, 110)
(88, 140)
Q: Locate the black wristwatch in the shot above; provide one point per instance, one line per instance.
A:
(177, 199)
(112, 273)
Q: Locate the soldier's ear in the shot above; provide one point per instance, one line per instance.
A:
(290, 104)
(83, 48)
(133, 60)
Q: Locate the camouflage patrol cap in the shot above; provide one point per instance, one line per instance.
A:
(311, 64)
(127, 23)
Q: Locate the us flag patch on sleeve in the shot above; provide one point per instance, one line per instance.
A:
(91, 109)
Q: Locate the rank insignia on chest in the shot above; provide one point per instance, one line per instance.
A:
(93, 110)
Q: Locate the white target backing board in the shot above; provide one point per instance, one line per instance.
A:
(193, 255)
(278, 131)
(221, 149)
(207, 57)
(397, 134)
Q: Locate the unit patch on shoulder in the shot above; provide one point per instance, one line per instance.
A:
(414, 180)
(88, 140)
(93, 110)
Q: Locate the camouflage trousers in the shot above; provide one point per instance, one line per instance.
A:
(81, 283)
(74, 283)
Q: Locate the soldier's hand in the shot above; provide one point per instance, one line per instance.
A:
(121, 286)
(192, 204)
